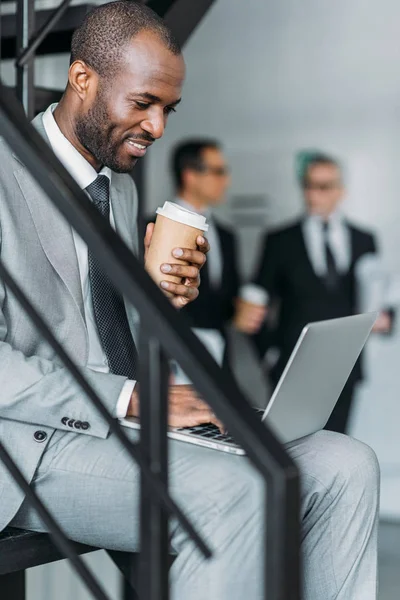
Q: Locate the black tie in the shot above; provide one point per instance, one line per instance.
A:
(331, 277)
(109, 309)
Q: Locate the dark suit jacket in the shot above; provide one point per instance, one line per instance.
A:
(214, 307)
(286, 272)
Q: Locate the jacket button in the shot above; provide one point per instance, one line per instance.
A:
(40, 436)
(64, 420)
(71, 422)
(77, 424)
(85, 425)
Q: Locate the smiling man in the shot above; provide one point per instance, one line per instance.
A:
(125, 78)
(119, 95)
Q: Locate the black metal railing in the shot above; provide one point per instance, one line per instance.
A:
(30, 46)
(25, 71)
(164, 334)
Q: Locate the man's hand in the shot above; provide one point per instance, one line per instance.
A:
(248, 317)
(383, 323)
(185, 408)
(187, 291)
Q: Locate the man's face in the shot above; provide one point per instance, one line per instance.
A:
(123, 115)
(323, 189)
(210, 183)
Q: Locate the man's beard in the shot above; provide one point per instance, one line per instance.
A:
(95, 132)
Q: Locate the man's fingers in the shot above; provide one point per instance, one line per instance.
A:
(186, 409)
(186, 291)
(207, 416)
(255, 322)
(194, 257)
(256, 314)
(245, 323)
(203, 244)
(179, 302)
(182, 271)
(197, 417)
(149, 234)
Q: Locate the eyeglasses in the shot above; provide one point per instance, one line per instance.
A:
(217, 171)
(321, 187)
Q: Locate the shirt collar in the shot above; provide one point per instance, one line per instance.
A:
(337, 218)
(80, 169)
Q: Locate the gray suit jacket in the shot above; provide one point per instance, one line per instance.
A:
(36, 391)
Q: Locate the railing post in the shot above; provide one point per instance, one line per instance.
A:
(29, 50)
(12, 586)
(25, 74)
(282, 540)
(154, 546)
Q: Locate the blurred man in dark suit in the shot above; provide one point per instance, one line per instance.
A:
(309, 273)
(201, 177)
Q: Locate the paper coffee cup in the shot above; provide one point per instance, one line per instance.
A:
(175, 227)
(253, 294)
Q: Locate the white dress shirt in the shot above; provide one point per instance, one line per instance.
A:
(338, 239)
(214, 257)
(84, 174)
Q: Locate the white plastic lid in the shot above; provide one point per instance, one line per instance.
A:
(254, 294)
(173, 211)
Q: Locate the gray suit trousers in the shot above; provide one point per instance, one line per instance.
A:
(92, 488)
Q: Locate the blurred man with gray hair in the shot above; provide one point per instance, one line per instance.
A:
(312, 270)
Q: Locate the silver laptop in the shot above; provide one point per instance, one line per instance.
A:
(308, 389)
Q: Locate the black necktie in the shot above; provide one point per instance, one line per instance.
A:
(109, 309)
(331, 277)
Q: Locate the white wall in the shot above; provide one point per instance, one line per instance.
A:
(269, 78)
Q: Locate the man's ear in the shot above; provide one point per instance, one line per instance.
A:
(81, 78)
(189, 177)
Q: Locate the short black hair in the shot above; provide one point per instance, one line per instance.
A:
(318, 158)
(100, 40)
(188, 155)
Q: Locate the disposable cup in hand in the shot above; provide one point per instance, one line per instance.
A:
(175, 227)
(253, 294)
(251, 306)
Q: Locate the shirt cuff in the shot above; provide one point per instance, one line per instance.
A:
(124, 398)
(254, 294)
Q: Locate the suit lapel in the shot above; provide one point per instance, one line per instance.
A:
(55, 234)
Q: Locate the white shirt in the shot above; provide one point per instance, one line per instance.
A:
(338, 239)
(84, 174)
(214, 256)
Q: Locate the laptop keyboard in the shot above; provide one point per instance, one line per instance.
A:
(211, 431)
